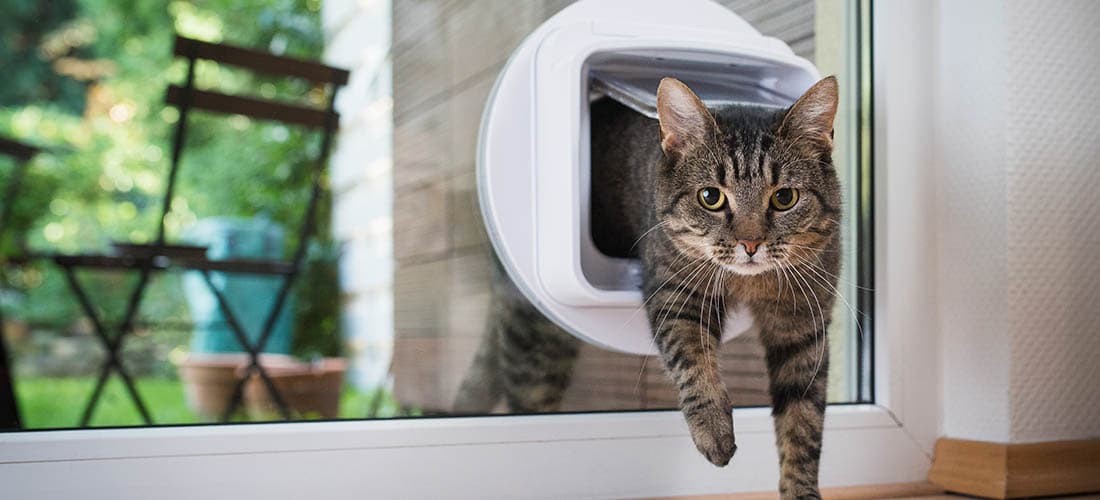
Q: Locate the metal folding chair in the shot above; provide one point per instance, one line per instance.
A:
(161, 256)
(22, 154)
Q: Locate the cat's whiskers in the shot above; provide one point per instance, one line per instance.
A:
(662, 285)
(778, 288)
(694, 265)
(688, 284)
(641, 375)
(716, 302)
(813, 252)
(780, 279)
(687, 297)
(674, 297)
(709, 293)
(698, 267)
(716, 312)
(805, 296)
(646, 233)
(702, 342)
(821, 356)
(787, 279)
(832, 289)
(835, 292)
(813, 318)
(702, 304)
(822, 273)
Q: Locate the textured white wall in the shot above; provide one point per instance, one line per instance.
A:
(1017, 166)
(1054, 218)
(971, 199)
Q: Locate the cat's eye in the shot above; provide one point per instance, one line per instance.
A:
(784, 199)
(712, 198)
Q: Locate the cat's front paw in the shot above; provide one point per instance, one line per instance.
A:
(712, 430)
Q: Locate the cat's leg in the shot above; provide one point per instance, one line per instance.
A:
(685, 311)
(481, 385)
(536, 362)
(524, 358)
(798, 363)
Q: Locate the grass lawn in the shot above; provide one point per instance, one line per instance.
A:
(50, 403)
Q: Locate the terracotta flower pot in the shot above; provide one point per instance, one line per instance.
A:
(309, 389)
(209, 379)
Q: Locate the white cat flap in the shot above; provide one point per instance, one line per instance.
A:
(533, 152)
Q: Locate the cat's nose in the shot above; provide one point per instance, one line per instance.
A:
(750, 246)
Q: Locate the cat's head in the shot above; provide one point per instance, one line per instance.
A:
(751, 188)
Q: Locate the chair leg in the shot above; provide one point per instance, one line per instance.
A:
(9, 412)
(114, 359)
(253, 351)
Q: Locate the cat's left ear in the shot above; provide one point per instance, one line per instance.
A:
(812, 116)
(685, 121)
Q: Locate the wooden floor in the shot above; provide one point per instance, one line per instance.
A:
(762, 496)
(905, 491)
(956, 497)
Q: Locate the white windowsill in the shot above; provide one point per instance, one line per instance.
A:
(551, 456)
(69, 445)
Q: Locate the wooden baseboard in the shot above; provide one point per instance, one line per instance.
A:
(872, 492)
(997, 470)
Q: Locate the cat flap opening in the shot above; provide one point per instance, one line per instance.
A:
(631, 78)
(534, 156)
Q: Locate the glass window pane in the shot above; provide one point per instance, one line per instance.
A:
(396, 292)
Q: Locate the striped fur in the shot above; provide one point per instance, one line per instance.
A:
(645, 204)
(524, 359)
(698, 265)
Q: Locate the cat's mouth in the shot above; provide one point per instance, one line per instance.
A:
(740, 262)
(750, 268)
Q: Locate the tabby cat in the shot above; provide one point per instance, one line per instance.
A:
(735, 206)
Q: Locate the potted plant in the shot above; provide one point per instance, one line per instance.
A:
(211, 371)
(310, 388)
(310, 378)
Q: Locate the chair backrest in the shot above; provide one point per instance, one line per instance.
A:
(186, 97)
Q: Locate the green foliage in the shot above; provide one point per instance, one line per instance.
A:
(110, 149)
(25, 25)
(317, 306)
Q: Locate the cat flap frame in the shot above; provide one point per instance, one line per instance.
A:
(533, 151)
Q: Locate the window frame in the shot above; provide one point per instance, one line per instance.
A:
(576, 455)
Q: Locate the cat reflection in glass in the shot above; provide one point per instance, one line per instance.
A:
(735, 205)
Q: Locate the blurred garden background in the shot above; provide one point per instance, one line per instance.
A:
(86, 80)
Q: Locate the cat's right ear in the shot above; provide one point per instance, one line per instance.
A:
(811, 118)
(685, 121)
